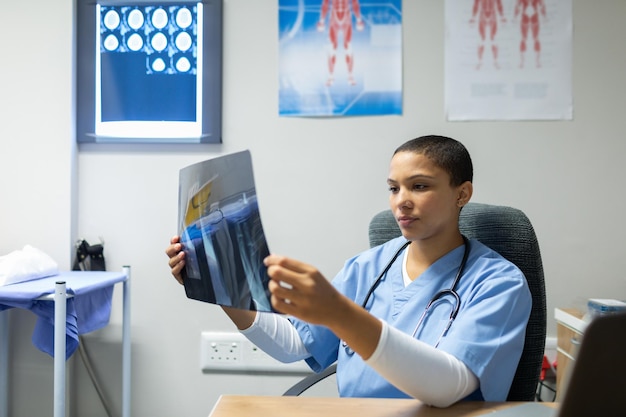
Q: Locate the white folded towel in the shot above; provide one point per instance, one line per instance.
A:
(25, 265)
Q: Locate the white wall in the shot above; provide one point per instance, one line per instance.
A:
(37, 166)
(319, 181)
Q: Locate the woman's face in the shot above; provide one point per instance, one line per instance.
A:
(422, 200)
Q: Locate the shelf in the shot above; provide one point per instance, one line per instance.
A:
(571, 318)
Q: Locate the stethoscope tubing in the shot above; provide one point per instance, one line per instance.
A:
(457, 278)
(384, 271)
(449, 291)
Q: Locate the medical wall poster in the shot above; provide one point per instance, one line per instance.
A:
(340, 57)
(222, 235)
(508, 60)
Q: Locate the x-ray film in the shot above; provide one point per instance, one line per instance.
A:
(222, 235)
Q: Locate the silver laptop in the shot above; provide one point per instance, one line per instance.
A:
(596, 385)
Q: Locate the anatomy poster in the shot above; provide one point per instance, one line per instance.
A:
(340, 57)
(508, 59)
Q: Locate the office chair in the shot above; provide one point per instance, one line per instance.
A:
(509, 232)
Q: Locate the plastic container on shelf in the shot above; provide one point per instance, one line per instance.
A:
(602, 306)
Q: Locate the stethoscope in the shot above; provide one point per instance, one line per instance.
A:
(443, 293)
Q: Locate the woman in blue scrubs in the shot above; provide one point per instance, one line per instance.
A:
(390, 318)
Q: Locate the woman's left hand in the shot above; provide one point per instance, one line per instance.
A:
(300, 290)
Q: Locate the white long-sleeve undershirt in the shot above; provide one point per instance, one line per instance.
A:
(418, 369)
(277, 337)
(431, 375)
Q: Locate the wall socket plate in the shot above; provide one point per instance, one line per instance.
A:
(233, 352)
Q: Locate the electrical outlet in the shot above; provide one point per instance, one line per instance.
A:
(233, 352)
(220, 351)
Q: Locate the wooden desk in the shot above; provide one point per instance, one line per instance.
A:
(259, 406)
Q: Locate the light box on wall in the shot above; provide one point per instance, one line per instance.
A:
(149, 71)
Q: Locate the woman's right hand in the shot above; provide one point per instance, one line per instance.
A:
(242, 318)
(177, 258)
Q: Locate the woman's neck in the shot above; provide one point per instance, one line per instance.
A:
(423, 253)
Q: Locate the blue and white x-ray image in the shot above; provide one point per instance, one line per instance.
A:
(222, 235)
(149, 75)
(340, 57)
(149, 71)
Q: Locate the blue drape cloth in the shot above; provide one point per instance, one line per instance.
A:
(88, 305)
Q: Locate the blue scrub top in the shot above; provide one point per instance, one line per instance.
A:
(487, 335)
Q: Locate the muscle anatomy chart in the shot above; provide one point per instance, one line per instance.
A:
(340, 57)
(508, 59)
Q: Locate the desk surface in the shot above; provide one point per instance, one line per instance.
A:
(260, 406)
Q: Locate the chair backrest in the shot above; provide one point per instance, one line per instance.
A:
(509, 232)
